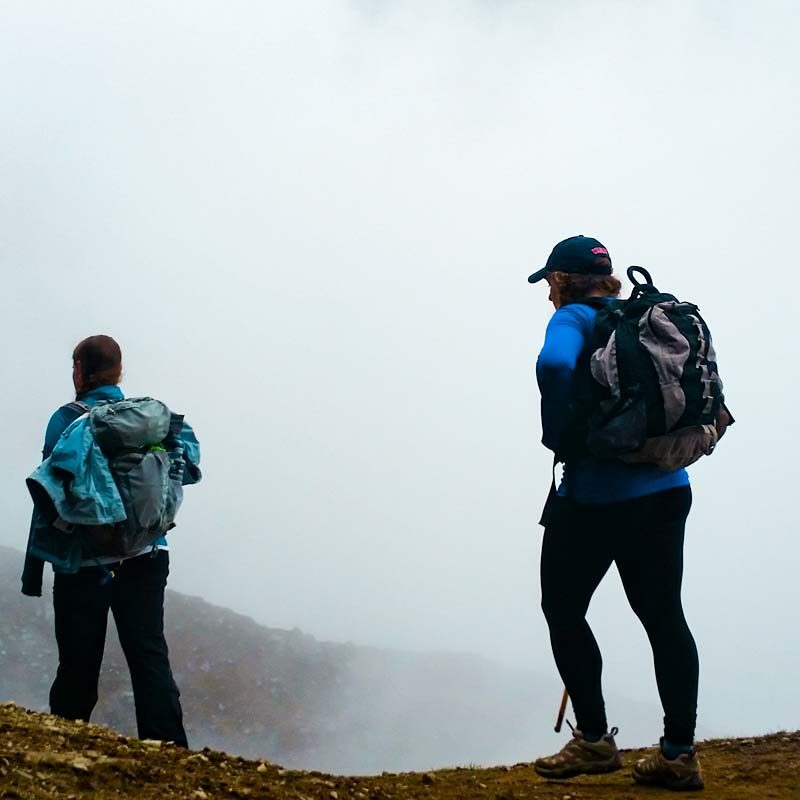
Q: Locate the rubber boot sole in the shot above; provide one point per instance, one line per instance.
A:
(600, 768)
(692, 783)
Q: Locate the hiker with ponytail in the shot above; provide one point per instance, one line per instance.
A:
(605, 511)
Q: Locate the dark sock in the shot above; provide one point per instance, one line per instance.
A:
(593, 738)
(671, 750)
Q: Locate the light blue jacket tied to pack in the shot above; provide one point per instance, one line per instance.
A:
(113, 482)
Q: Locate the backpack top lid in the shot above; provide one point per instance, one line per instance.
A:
(130, 424)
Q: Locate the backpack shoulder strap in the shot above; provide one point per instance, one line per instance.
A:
(597, 303)
(79, 407)
(594, 302)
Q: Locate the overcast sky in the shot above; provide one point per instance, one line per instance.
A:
(309, 225)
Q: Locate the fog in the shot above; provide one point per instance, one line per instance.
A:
(309, 225)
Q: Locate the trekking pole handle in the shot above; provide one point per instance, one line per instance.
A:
(562, 710)
(648, 281)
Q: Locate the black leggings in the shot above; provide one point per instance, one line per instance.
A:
(644, 537)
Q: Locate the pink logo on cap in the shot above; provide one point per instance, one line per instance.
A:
(600, 251)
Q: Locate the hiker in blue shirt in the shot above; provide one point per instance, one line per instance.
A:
(606, 511)
(132, 588)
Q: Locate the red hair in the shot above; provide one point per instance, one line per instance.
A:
(573, 288)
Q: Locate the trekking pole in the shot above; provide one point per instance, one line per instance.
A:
(562, 710)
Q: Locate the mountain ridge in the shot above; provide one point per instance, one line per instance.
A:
(44, 757)
(285, 696)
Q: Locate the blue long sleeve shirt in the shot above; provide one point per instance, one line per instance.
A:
(590, 480)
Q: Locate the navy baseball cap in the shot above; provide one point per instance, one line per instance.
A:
(580, 255)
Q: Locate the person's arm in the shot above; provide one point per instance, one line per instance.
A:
(33, 568)
(564, 342)
(59, 422)
(191, 455)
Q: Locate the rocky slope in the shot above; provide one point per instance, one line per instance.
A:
(45, 757)
(283, 695)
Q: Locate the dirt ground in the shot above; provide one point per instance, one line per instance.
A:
(46, 757)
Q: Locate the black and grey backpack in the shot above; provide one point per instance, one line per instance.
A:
(656, 395)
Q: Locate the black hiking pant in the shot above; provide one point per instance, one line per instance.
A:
(644, 538)
(135, 596)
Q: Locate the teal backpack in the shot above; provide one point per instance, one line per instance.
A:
(140, 439)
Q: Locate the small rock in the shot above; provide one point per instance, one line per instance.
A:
(80, 765)
(152, 744)
(262, 768)
(198, 794)
(482, 786)
(334, 795)
(428, 778)
(8, 704)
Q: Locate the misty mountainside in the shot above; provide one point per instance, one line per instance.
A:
(283, 695)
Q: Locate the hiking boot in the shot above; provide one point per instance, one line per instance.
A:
(681, 774)
(580, 757)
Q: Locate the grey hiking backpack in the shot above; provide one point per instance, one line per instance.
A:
(656, 396)
(140, 439)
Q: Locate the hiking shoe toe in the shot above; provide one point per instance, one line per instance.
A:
(681, 774)
(581, 757)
